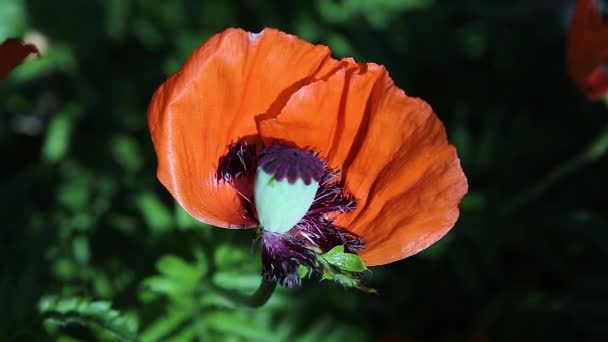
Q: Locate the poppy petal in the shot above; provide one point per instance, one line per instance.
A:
(326, 114)
(393, 153)
(587, 45)
(406, 178)
(308, 117)
(12, 53)
(211, 102)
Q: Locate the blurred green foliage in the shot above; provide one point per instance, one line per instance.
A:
(85, 223)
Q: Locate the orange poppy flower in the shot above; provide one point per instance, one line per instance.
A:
(12, 52)
(269, 130)
(587, 53)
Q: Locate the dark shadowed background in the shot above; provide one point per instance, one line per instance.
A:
(85, 224)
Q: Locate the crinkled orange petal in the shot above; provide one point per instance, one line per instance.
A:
(212, 101)
(302, 113)
(326, 114)
(12, 52)
(587, 45)
(393, 153)
(406, 177)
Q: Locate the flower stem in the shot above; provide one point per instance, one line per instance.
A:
(593, 152)
(254, 300)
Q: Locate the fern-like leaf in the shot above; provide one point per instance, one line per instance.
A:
(61, 311)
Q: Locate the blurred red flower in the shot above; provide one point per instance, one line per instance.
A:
(12, 53)
(587, 53)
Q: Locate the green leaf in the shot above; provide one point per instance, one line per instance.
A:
(167, 323)
(231, 257)
(81, 249)
(59, 312)
(13, 18)
(302, 271)
(126, 153)
(327, 328)
(184, 221)
(348, 281)
(162, 285)
(157, 216)
(187, 334)
(176, 268)
(377, 12)
(242, 281)
(345, 261)
(59, 133)
(117, 15)
(178, 278)
(235, 323)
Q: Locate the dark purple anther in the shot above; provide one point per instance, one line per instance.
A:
(240, 161)
(282, 254)
(291, 162)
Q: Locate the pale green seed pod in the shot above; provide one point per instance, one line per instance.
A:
(279, 204)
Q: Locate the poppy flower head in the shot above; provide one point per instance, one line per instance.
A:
(588, 49)
(324, 156)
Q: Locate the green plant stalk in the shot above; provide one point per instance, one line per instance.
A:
(593, 152)
(254, 300)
